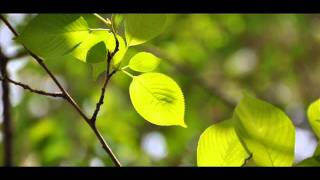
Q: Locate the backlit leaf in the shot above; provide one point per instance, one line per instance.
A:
(266, 131)
(140, 28)
(54, 35)
(144, 62)
(219, 145)
(158, 99)
(314, 117)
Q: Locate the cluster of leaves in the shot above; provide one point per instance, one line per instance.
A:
(155, 96)
(257, 130)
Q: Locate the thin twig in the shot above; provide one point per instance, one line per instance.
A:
(247, 160)
(20, 54)
(27, 87)
(67, 97)
(108, 74)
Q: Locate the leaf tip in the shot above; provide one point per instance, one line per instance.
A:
(184, 125)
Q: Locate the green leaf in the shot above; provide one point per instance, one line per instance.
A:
(314, 117)
(219, 145)
(140, 28)
(111, 44)
(265, 131)
(158, 99)
(97, 53)
(89, 44)
(54, 35)
(312, 161)
(317, 151)
(100, 67)
(59, 36)
(117, 20)
(144, 62)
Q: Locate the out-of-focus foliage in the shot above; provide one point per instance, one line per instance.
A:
(275, 57)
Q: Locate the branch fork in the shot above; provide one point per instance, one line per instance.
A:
(66, 96)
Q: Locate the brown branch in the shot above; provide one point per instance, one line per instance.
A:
(101, 99)
(20, 54)
(7, 126)
(27, 87)
(67, 97)
(108, 76)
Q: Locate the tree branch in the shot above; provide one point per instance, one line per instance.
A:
(20, 54)
(67, 97)
(7, 126)
(27, 87)
(108, 74)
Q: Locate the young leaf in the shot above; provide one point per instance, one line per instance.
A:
(266, 131)
(111, 44)
(96, 43)
(140, 28)
(219, 145)
(100, 67)
(54, 35)
(158, 99)
(314, 117)
(117, 20)
(97, 53)
(144, 62)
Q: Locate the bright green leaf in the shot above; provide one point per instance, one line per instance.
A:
(99, 68)
(144, 62)
(219, 145)
(314, 117)
(64, 35)
(158, 99)
(54, 35)
(140, 28)
(95, 37)
(266, 131)
(111, 44)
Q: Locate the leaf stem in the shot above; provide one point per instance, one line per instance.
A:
(127, 73)
(125, 67)
(108, 23)
(99, 29)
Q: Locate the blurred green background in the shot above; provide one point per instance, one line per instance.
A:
(213, 57)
